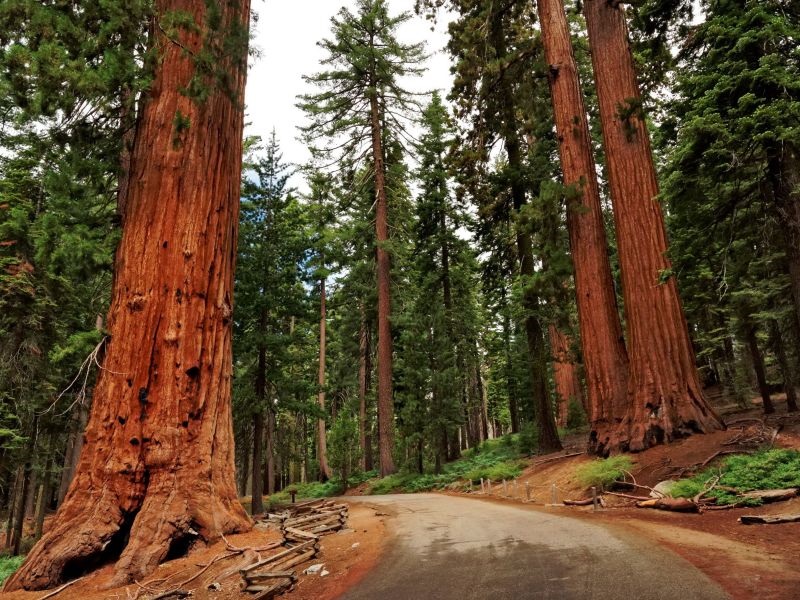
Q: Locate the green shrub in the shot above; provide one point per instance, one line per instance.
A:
(9, 564)
(603, 473)
(498, 472)
(576, 415)
(766, 470)
(528, 440)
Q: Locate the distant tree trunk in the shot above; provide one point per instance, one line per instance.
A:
(244, 473)
(484, 408)
(604, 356)
(13, 499)
(786, 370)
(322, 444)
(363, 349)
(269, 467)
(385, 400)
(73, 450)
(25, 488)
(758, 367)
(44, 489)
(157, 469)
(256, 484)
(513, 408)
(565, 371)
(665, 397)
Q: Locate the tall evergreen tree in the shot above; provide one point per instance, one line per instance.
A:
(361, 102)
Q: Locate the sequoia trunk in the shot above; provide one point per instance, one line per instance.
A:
(157, 467)
(604, 356)
(322, 445)
(385, 400)
(665, 399)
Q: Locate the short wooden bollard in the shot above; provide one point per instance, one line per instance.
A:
(594, 498)
(483, 488)
(528, 491)
(488, 486)
(516, 488)
(505, 488)
(553, 494)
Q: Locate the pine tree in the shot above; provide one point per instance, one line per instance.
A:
(361, 103)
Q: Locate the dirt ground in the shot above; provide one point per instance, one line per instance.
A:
(347, 555)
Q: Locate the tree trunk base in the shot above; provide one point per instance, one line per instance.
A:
(92, 531)
(647, 425)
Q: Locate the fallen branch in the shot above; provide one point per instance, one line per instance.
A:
(628, 496)
(60, 589)
(768, 519)
(671, 504)
(771, 495)
(552, 458)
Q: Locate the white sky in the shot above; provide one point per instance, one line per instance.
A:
(286, 34)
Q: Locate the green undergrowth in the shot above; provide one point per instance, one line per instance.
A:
(603, 473)
(494, 459)
(316, 489)
(9, 564)
(765, 470)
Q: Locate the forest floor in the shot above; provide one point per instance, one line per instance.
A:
(347, 555)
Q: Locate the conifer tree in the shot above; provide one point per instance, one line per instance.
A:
(666, 400)
(157, 466)
(360, 103)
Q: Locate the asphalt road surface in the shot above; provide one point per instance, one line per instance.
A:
(445, 548)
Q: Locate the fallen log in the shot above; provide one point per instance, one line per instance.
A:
(274, 558)
(584, 502)
(297, 560)
(671, 504)
(768, 519)
(770, 495)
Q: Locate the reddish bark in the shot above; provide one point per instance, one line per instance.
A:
(568, 384)
(385, 399)
(604, 356)
(322, 440)
(665, 399)
(363, 387)
(157, 467)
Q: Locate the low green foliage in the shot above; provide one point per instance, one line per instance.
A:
(604, 472)
(767, 470)
(9, 564)
(528, 440)
(316, 489)
(494, 459)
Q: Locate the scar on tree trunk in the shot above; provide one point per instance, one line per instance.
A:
(156, 473)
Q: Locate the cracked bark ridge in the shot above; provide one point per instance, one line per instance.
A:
(156, 473)
(664, 398)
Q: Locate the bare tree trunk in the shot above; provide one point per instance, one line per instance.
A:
(665, 398)
(758, 367)
(269, 467)
(44, 489)
(604, 356)
(786, 370)
(256, 483)
(73, 449)
(25, 489)
(157, 469)
(385, 399)
(568, 385)
(363, 360)
(322, 447)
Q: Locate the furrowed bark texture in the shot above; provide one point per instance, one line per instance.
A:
(385, 400)
(157, 466)
(665, 399)
(605, 358)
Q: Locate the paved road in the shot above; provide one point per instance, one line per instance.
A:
(447, 548)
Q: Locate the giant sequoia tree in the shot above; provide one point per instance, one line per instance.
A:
(361, 102)
(157, 466)
(604, 355)
(665, 397)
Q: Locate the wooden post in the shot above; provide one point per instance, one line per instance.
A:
(528, 491)
(553, 494)
(516, 487)
(505, 488)
(483, 489)
(594, 498)
(488, 486)
(293, 494)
